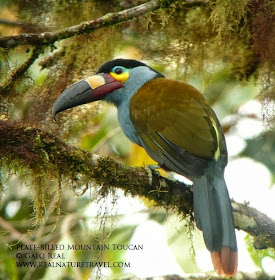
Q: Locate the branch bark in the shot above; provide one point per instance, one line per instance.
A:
(26, 27)
(47, 38)
(39, 150)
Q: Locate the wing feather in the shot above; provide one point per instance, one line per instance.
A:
(174, 124)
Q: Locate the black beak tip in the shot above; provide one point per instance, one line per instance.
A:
(54, 113)
(77, 94)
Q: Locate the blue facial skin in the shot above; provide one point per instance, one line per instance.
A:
(138, 76)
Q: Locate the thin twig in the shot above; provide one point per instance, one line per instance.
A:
(15, 234)
(20, 71)
(28, 27)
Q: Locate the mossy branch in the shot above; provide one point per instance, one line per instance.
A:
(43, 153)
(20, 71)
(47, 38)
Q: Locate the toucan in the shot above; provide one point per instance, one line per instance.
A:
(172, 121)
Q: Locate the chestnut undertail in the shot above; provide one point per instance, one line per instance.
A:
(225, 262)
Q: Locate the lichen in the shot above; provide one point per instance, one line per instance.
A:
(228, 17)
(42, 162)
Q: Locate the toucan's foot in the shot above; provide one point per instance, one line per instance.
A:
(151, 168)
(162, 184)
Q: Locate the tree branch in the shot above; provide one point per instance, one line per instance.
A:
(110, 19)
(35, 148)
(19, 72)
(15, 234)
(27, 27)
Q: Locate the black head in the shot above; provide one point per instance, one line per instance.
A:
(127, 63)
(108, 84)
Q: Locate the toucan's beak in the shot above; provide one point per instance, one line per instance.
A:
(85, 91)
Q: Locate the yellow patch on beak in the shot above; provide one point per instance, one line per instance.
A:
(95, 81)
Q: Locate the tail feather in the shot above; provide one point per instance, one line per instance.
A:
(213, 215)
(225, 262)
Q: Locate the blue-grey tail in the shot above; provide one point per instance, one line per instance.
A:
(213, 215)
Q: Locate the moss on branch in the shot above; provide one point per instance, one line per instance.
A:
(110, 19)
(48, 159)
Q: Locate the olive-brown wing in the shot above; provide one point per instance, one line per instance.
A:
(175, 125)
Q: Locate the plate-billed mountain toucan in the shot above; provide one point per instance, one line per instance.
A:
(171, 120)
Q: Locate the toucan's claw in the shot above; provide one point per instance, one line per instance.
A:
(151, 168)
(162, 184)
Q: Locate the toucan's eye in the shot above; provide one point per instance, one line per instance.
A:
(120, 73)
(119, 70)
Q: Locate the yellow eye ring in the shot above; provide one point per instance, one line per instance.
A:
(120, 73)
